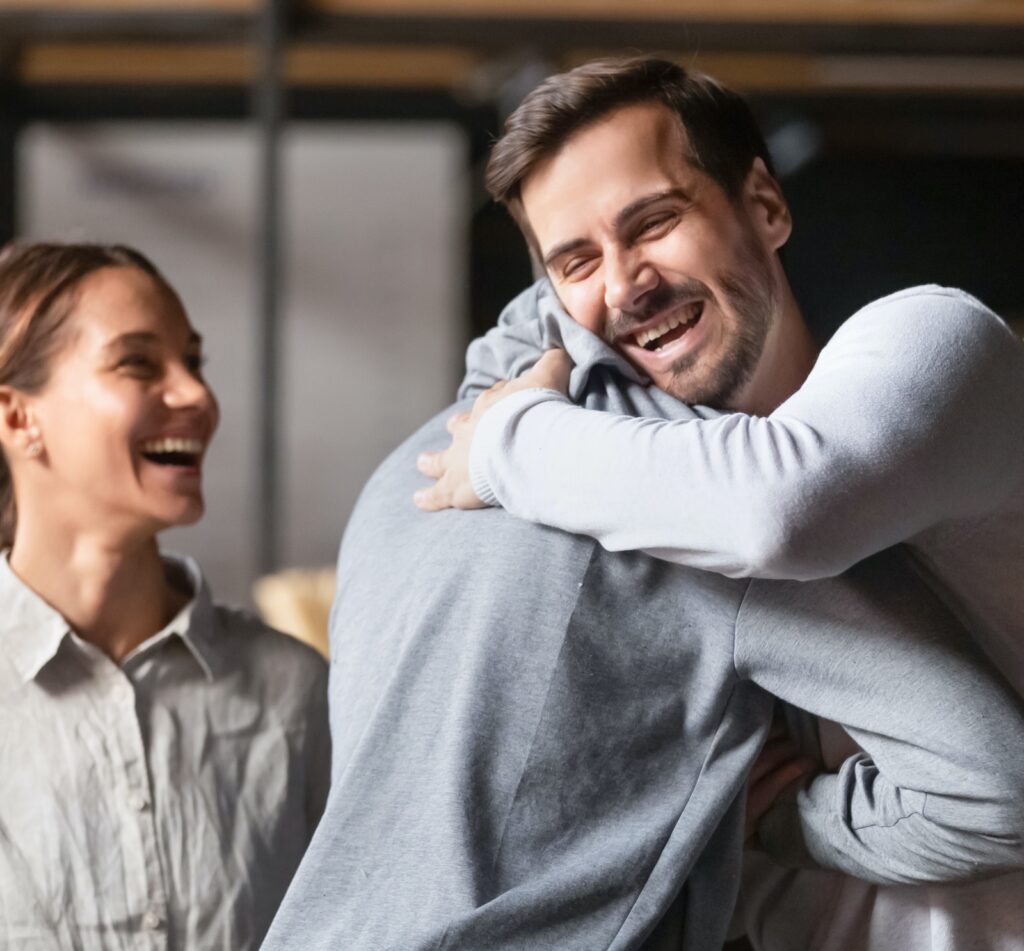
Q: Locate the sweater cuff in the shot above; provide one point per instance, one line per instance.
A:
(493, 437)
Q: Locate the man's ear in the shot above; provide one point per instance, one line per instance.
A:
(767, 206)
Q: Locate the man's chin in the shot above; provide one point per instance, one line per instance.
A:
(696, 389)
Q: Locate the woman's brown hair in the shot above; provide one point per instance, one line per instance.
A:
(38, 284)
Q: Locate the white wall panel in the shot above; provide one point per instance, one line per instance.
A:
(374, 345)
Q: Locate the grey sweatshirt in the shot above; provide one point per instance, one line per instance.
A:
(909, 428)
(541, 744)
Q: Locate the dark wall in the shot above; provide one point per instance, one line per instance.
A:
(865, 226)
(8, 126)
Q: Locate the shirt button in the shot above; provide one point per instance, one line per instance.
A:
(150, 920)
(124, 694)
(138, 801)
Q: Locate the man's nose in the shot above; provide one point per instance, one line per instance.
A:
(628, 275)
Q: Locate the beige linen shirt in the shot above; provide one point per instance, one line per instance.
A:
(163, 803)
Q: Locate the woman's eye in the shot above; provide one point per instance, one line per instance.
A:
(138, 364)
(195, 364)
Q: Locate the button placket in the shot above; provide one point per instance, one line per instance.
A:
(151, 919)
(149, 895)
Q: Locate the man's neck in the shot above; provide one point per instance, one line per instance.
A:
(788, 357)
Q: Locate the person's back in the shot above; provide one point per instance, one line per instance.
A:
(513, 765)
(539, 743)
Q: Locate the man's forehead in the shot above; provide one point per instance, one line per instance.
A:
(606, 165)
(650, 127)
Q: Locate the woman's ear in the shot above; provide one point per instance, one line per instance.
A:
(19, 433)
(766, 206)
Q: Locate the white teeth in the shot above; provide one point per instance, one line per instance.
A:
(646, 336)
(173, 444)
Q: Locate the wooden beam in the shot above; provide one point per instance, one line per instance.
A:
(911, 12)
(438, 67)
(231, 64)
(145, 7)
(114, 63)
(380, 65)
(824, 12)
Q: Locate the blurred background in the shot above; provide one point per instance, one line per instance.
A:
(309, 176)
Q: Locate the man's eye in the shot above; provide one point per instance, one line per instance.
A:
(575, 267)
(195, 363)
(653, 225)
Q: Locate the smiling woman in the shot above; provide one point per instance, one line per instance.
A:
(193, 757)
(103, 375)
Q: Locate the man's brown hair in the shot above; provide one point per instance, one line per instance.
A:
(723, 135)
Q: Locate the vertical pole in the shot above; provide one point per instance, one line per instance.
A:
(268, 107)
(9, 121)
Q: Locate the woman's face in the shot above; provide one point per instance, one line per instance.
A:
(125, 417)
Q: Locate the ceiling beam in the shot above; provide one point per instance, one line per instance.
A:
(459, 69)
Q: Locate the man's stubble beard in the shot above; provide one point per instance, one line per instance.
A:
(749, 305)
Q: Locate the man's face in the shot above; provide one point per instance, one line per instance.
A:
(648, 252)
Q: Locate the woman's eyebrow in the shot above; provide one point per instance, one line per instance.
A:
(134, 337)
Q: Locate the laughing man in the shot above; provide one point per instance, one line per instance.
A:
(647, 194)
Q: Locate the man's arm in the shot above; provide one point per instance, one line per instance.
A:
(912, 416)
(938, 793)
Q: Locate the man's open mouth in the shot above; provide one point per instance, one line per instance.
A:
(173, 451)
(671, 328)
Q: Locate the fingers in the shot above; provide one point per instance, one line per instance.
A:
(554, 360)
(454, 422)
(447, 493)
(489, 397)
(433, 499)
(769, 787)
(774, 775)
(773, 754)
(431, 464)
(553, 370)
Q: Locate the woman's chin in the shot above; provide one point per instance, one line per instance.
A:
(184, 513)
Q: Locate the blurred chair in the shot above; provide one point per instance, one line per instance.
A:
(297, 601)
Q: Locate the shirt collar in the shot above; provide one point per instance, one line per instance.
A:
(195, 624)
(32, 630)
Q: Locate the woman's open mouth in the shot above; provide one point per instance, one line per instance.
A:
(173, 451)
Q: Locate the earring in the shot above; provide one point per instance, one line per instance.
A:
(35, 446)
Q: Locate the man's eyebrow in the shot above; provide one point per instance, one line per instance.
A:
(641, 204)
(630, 211)
(564, 248)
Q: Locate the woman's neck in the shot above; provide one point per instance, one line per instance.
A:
(112, 592)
